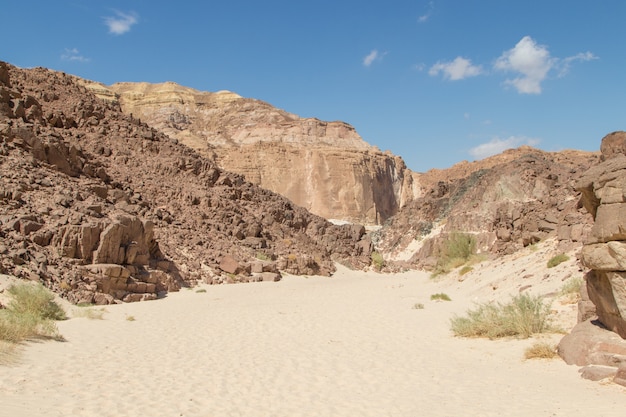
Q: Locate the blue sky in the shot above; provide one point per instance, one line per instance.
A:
(436, 82)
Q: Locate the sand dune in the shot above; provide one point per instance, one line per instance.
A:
(350, 345)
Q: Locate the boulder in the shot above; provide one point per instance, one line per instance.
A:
(607, 290)
(613, 144)
(589, 343)
(610, 256)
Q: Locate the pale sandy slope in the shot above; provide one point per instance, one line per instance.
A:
(351, 345)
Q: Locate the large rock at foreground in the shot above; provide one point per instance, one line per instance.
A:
(603, 194)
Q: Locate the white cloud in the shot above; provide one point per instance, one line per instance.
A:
(458, 69)
(73, 55)
(529, 59)
(497, 145)
(424, 18)
(373, 56)
(565, 63)
(121, 23)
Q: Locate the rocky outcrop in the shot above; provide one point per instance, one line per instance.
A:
(603, 191)
(101, 207)
(325, 167)
(506, 202)
(598, 342)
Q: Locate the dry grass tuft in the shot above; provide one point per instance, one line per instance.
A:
(541, 350)
(440, 297)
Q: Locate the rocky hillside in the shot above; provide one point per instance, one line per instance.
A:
(102, 207)
(325, 167)
(507, 202)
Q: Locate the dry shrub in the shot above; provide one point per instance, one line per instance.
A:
(541, 350)
(523, 316)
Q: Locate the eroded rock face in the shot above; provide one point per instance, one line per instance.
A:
(506, 202)
(101, 207)
(325, 167)
(603, 190)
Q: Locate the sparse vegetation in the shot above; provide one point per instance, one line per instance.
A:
(418, 306)
(90, 313)
(570, 291)
(523, 316)
(378, 262)
(30, 314)
(541, 350)
(572, 286)
(456, 250)
(201, 290)
(466, 269)
(130, 318)
(558, 259)
(440, 296)
(261, 256)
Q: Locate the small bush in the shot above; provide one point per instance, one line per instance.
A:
(440, 297)
(377, 260)
(30, 314)
(201, 290)
(456, 250)
(35, 300)
(541, 350)
(523, 316)
(263, 256)
(130, 318)
(418, 306)
(466, 269)
(556, 260)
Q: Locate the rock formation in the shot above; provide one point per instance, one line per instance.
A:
(507, 202)
(101, 207)
(325, 167)
(595, 342)
(603, 191)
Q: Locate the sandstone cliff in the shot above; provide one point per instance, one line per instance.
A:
(325, 167)
(101, 207)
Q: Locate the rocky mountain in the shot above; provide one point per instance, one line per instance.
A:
(325, 167)
(102, 207)
(506, 202)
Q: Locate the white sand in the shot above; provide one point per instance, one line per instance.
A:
(350, 345)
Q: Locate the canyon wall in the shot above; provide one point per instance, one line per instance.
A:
(325, 167)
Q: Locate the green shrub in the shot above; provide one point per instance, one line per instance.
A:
(440, 297)
(418, 306)
(30, 314)
(523, 316)
(456, 250)
(34, 300)
(377, 260)
(556, 260)
(466, 269)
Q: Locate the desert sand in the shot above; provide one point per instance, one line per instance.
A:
(350, 345)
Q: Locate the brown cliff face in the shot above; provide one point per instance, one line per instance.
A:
(99, 206)
(507, 202)
(323, 166)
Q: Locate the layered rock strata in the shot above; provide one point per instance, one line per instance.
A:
(506, 202)
(325, 167)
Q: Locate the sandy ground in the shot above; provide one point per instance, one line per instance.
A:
(350, 345)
